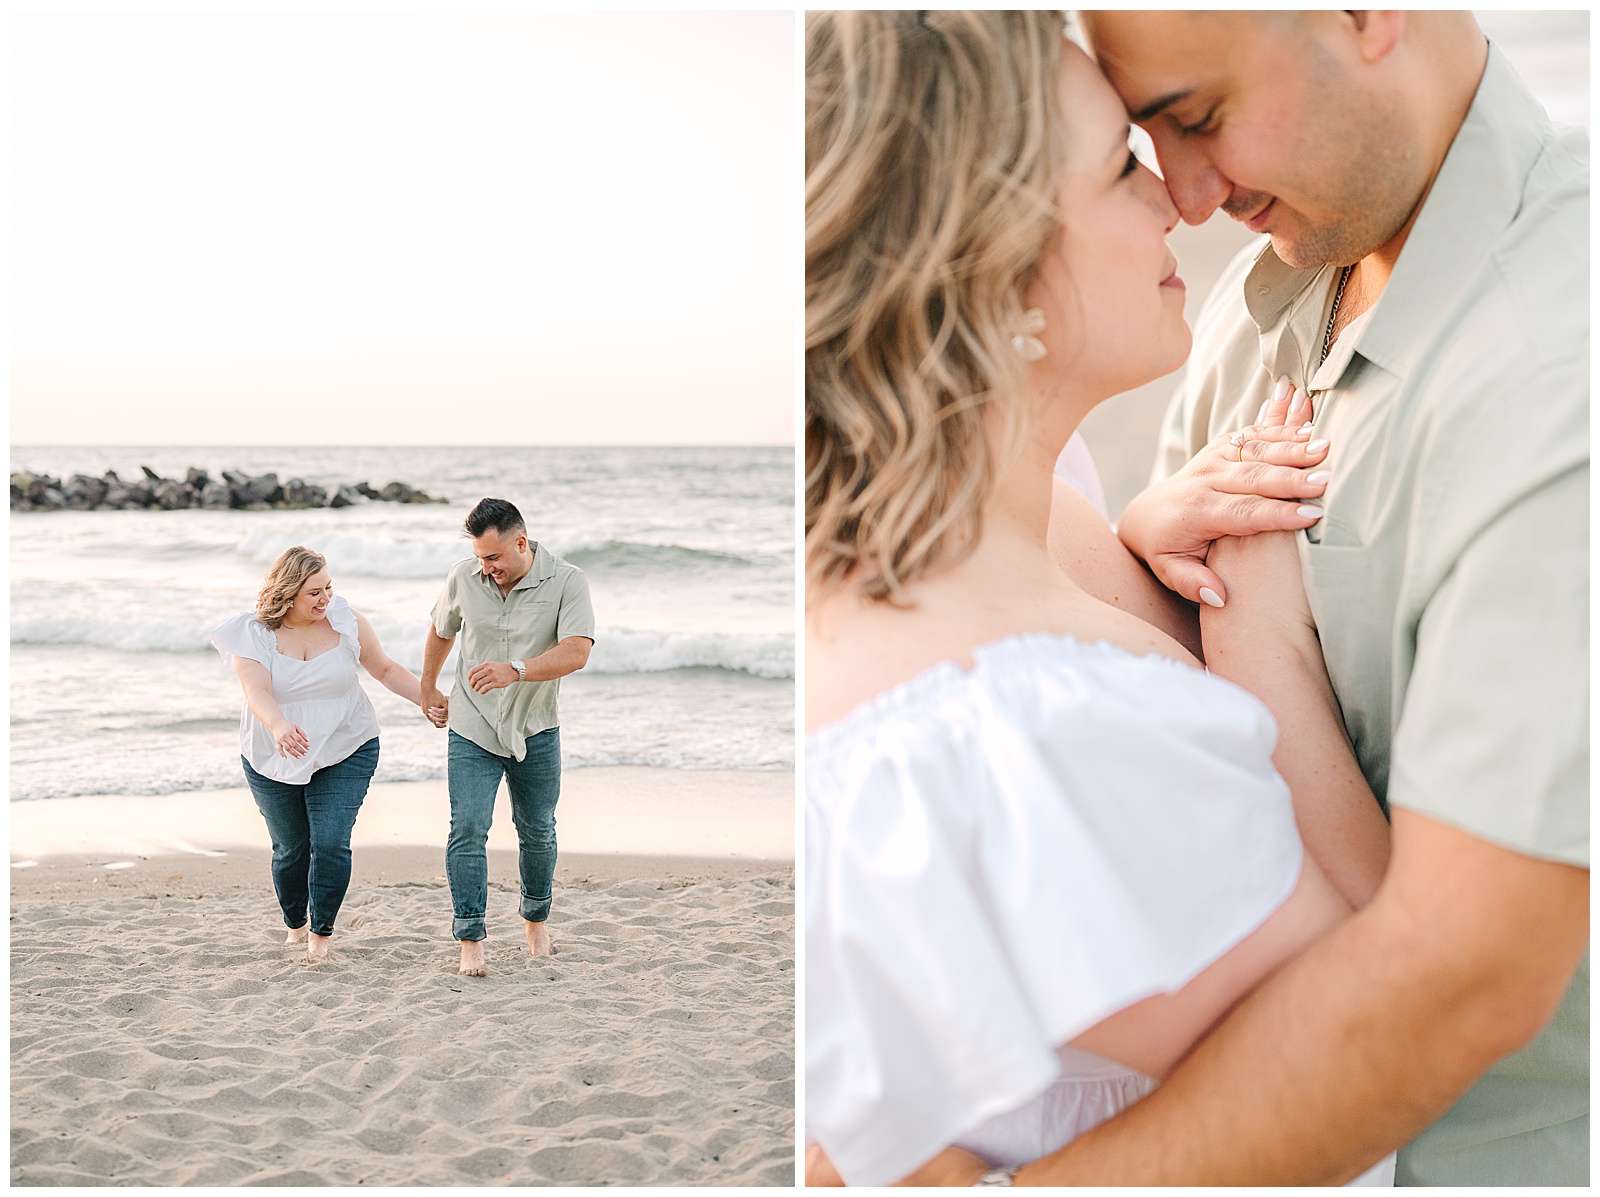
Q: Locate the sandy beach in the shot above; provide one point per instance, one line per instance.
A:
(162, 1034)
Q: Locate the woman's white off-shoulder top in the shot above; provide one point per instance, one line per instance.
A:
(996, 860)
(322, 696)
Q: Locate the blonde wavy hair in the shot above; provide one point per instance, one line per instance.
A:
(289, 572)
(932, 160)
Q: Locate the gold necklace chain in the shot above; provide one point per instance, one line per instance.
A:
(1338, 296)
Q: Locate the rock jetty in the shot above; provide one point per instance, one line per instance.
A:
(241, 492)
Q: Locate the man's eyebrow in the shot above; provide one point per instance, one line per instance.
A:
(1155, 106)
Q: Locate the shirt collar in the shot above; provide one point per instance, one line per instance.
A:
(544, 566)
(1474, 197)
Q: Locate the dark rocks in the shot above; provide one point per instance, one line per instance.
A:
(263, 488)
(84, 492)
(298, 494)
(235, 490)
(28, 489)
(116, 495)
(399, 492)
(169, 494)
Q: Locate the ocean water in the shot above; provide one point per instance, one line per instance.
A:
(115, 688)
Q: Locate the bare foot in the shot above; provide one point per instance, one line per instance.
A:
(538, 939)
(472, 964)
(297, 934)
(317, 948)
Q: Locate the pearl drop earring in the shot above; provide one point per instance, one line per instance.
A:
(1027, 342)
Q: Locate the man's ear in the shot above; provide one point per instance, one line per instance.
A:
(1377, 32)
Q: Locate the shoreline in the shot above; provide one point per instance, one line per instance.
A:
(605, 811)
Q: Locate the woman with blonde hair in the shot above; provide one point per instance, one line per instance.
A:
(1045, 850)
(308, 734)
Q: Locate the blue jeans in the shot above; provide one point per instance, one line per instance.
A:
(535, 784)
(310, 827)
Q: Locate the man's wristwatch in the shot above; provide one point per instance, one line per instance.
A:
(999, 1176)
(522, 670)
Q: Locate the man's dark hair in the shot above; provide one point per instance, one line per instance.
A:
(498, 514)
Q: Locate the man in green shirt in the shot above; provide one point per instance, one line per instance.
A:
(526, 622)
(1424, 278)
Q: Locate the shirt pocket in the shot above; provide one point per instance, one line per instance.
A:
(533, 628)
(1355, 617)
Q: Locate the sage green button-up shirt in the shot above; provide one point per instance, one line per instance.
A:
(1450, 576)
(549, 603)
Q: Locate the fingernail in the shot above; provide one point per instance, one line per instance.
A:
(1320, 478)
(1299, 401)
(1282, 389)
(1262, 414)
(1308, 512)
(1305, 429)
(1209, 597)
(1316, 446)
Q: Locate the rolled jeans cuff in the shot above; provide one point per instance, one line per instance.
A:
(536, 910)
(468, 929)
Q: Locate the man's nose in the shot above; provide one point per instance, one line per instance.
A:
(1197, 187)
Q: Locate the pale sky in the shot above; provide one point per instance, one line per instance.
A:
(403, 228)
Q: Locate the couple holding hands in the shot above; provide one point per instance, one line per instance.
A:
(1246, 842)
(309, 734)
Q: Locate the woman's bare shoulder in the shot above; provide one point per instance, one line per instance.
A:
(856, 650)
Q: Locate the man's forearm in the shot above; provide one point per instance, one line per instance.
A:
(435, 651)
(571, 655)
(1358, 1045)
(1308, 1082)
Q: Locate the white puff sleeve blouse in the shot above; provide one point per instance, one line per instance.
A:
(322, 696)
(996, 860)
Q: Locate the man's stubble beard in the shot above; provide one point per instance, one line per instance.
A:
(1367, 171)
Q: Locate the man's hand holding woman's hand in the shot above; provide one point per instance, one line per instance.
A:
(435, 706)
(1256, 480)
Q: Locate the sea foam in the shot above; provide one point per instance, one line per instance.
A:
(383, 557)
(617, 650)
